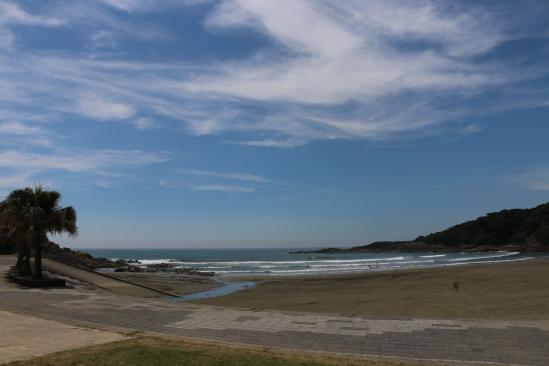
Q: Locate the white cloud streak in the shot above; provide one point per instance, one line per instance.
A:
(101, 109)
(285, 143)
(79, 160)
(17, 134)
(14, 181)
(344, 70)
(231, 176)
(12, 14)
(223, 188)
(26, 168)
(534, 179)
(338, 60)
(146, 124)
(17, 128)
(149, 5)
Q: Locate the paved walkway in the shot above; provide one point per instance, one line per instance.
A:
(23, 337)
(505, 342)
(106, 282)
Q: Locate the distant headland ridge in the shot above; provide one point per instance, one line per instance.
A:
(523, 230)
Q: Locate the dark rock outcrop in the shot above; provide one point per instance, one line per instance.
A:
(77, 258)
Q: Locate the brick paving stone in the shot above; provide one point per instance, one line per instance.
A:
(511, 342)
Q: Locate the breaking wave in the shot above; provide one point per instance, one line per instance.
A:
(302, 264)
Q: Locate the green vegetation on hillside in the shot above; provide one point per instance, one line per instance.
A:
(146, 351)
(525, 227)
(525, 230)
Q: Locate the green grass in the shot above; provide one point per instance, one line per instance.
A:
(153, 351)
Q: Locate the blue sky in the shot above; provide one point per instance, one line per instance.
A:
(254, 123)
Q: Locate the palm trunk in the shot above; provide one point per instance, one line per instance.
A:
(20, 260)
(37, 260)
(23, 262)
(26, 263)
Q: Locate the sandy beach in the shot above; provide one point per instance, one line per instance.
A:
(397, 336)
(518, 290)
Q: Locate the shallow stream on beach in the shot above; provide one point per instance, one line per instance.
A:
(226, 288)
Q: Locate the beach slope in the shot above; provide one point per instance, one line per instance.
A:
(518, 290)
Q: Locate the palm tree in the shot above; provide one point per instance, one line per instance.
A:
(31, 214)
(12, 231)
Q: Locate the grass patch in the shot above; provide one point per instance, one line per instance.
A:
(156, 351)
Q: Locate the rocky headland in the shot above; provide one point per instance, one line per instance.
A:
(521, 230)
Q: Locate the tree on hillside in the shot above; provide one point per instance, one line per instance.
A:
(506, 227)
(28, 216)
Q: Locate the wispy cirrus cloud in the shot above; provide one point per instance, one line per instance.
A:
(17, 134)
(17, 128)
(91, 161)
(149, 5)
(92, 166)
(369, 56)
(533, 179)
(12, 14)
(279, 143)
(99, 108)
(144, 123)
(345, 70)
(224, 175)
(14, 181)
(223, 188)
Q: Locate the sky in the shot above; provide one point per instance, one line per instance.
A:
(283, 123)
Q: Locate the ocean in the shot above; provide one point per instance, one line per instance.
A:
(230, 262)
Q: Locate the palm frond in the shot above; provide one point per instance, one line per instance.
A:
(38, 209)
(63, 221)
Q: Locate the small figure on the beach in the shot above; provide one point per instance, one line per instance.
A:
(456, 285)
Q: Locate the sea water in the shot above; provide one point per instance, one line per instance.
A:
(279, 262)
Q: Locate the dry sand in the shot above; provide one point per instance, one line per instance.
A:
(518, 290)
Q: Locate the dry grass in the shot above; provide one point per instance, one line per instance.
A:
(158, 351)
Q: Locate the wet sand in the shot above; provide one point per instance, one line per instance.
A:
(511, 290)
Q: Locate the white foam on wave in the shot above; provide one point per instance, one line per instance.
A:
(316, 270)
(154, 261)
(312, 261)
(341, 265)
(433, 256)
(312, 270)
(483, 262)
(413, 262)
(500, 255)
(335, 270)
(352, 265)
